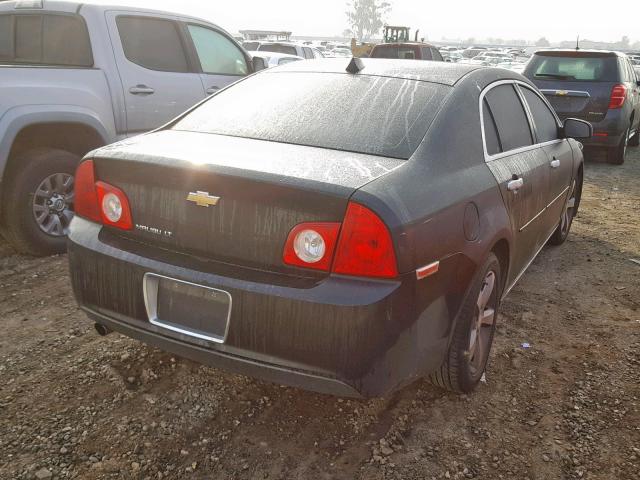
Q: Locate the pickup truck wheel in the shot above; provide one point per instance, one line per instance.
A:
(617, 154)
(38, 202)
(568, 213)
(468, 353)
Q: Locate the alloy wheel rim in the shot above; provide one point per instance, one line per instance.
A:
(52, 205)
(482, 324)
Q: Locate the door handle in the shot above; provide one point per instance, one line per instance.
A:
(555, 163)
(212, 90)
(515, 184)
(141, 90)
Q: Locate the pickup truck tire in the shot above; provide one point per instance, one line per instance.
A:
(38, 201)
(466, 360)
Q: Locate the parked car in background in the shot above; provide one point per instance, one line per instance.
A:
(598, 86)
(76, 76)
(281, 236)
(407, 51)
(273, 59)
(290, 49)
(452, 56)
(472, 51)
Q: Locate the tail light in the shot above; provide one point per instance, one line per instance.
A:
(99, 201)
(618, 96)
(311, 245)
(361, 245)
(365, 247)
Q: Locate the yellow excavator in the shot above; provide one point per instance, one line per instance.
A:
(392, 34)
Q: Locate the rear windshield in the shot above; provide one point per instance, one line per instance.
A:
(289, 49)
(573, 67)
(394, 52)
(358, 113)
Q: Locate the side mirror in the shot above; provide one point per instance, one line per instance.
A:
(258, 63)
(574, 128)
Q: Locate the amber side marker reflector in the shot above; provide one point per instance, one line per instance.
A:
(428, 270)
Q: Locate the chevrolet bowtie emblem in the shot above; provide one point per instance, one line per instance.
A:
(202, 199)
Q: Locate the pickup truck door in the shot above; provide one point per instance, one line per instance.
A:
(218, 57)
(159, 80)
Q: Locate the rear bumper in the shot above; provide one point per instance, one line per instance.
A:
(342, 336)
(608, 132)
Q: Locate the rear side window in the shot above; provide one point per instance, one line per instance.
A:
(60, 40)
(510, 117)
(217, 53)
(543, 118)
(573, 67)
(358, 113)
(426, 53)
(153, 43)
(490, 130)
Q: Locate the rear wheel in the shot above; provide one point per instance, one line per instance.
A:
(473, 336)
(38, 202)
(617, 154)
(568, 213)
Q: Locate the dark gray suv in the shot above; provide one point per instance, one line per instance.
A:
(598, 86)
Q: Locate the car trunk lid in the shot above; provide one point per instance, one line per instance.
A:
(578, 99)
(263, 190)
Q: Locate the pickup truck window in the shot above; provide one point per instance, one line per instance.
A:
(51, 39)
(217, 54)
(152, 43)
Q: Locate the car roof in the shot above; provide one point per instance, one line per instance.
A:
(405, 44)
(75, 6)
(580, 50)
(434, 72)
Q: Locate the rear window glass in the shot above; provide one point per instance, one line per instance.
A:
(573, 68)
(276, 48)
(395, 52)
(45, 40)
(365, 114)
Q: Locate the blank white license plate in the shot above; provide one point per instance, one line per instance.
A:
(187, 308)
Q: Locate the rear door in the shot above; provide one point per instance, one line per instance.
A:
(577, 84)
(219, 58)
(559, 155)
(158, 80)
(520, 168)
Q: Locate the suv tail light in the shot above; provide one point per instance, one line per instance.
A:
(618, 96)
(99, 201)
(361, 245)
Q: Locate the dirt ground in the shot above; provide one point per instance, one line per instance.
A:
(76, 405)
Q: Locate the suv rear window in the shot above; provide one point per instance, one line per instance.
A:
(364, 114)
(277, 48)
(52, 39)
(394, 51)
(581, 67)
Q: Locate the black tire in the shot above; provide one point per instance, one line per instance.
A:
(569, 212)
(635, 140)
(616, 155)
(461, 370)
(18, 222)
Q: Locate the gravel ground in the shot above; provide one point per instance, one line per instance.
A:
(76, 405)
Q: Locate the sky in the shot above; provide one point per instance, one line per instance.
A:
(553, 19)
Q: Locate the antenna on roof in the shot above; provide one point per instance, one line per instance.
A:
(578, 43)
(355, 65)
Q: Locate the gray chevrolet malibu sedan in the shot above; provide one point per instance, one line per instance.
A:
(345, 226)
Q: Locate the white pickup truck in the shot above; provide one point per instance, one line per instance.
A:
(74, 77)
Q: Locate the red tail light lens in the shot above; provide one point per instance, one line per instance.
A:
(86, 196)
(99, 201)
(365, 247)
(311, 245)
(618, 96)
